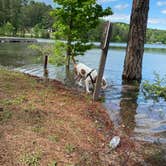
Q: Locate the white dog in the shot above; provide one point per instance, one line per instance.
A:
(88, 75)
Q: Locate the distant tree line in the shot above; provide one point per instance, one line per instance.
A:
(120, 34)
(18, 17)
(28, 17)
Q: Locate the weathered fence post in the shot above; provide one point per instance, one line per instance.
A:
(104, 46)
(45, 61)
(45, 66)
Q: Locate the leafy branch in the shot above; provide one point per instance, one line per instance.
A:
(155, 90)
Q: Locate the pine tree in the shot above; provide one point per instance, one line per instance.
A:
(135, 47)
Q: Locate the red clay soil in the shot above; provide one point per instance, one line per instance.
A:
(44, 123)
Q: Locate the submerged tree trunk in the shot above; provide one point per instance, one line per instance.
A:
(136, 39)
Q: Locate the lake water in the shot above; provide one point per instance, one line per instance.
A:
(142, 119)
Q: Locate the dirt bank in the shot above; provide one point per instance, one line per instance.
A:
(44, 123)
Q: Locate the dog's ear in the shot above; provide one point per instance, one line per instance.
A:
(83, 72)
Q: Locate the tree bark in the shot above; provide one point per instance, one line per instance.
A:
(69, 42)
(136, 39)
(68, 54)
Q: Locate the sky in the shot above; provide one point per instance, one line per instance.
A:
(122, 11)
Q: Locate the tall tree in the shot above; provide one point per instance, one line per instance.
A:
(135, 47)
(74, 19)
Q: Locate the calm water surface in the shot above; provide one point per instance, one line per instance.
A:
(142, 119)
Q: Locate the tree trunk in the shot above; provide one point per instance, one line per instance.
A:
(136, 39)
(69, 41)
(68, 54)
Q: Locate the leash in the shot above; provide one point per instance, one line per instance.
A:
(89, 75)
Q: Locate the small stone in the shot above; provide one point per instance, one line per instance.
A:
(1, 109)
(114, 142)
(102, 145)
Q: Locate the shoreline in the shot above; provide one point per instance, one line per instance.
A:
(113, 45)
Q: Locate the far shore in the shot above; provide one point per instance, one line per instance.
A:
(117, 45)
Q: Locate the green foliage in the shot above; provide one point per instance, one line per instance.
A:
(74, 19)
(31, 159)
(155, 36)
(59, 56)
(155, 90)
(56, 53)
(120, 33)
(7, 29)
(36, 30)
(24, 15)
(45, 34)
(44, 50)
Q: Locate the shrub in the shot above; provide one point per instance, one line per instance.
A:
(155, 90)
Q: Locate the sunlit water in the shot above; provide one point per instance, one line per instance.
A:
(128, 109)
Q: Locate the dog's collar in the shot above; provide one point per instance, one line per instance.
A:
(89, 75)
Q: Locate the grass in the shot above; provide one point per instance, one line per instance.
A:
(155, 156)
(53, 163)
(14, 101)
(67, 126)
(69, 148)
(31, 159)
(53, 138)
(5, 116)
(38, 129)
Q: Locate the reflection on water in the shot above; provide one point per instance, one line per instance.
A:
(142, 119)
(128, 106)
(15, 55)
(122, 105)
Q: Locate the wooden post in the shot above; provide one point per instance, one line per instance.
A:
(45, 61)
(105, 47)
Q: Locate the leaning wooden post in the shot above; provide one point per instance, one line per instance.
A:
(105, 46)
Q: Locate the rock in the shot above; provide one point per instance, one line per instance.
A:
(114, 142)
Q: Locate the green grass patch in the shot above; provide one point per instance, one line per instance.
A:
(53, 163)
(69, 148)
(53, 138)
(5, 116)
(31, 159)
(38, 129)
(13, 101)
